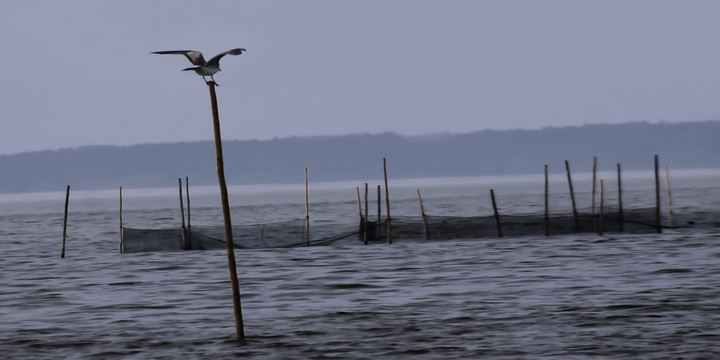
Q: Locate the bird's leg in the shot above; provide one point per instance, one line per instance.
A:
(213, 79)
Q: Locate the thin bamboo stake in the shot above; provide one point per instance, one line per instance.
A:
(424, 217)
(365, 240)
(67, 200)
(572, 196)
(359, 203)
(229, 244)
(620, 203)
(307, 210)
(387, 204)
(185, 243)
(378, 235)
(495, 213)
(122, 242)
(602, 206)
(547, 206)
(657, 196)
(669, 195)
(592, 205)
(187, 196)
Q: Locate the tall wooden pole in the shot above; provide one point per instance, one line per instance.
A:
(495, 213)
(307, 210)
(379, 217)
(547, 205)
(187, 196)
(366, 215)
(122, 242)
(67, 199)
(387, 204)
(602, 207)
(229, 244)
(424, 218)
(592, 205)
(572, 196)
(657, 195)
(620, 204)
(669, 195)
(185, 242)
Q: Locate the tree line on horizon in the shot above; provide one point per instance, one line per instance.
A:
(359, 156)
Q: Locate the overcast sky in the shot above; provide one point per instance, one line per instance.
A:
(80, 72)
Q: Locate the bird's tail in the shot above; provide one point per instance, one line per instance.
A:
(190, 68)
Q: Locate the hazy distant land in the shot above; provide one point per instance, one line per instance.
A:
(359, 157)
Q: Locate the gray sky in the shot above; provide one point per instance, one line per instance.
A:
(80, 73)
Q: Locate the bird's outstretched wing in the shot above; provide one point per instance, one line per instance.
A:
(216, 59)
(195, 57)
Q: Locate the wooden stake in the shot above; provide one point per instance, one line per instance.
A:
(379, 217)
(357, 191)
(307, 210)
(424, 218)
(122, 242)
(387, 204)
(67, 200)
(229, 244)
(187, 195)
(365, 240)
(620, 204)
(657, 196)
(185, 242)
(495, 212)
(602, 206)
(592, 205)
(572, 196)
(547, 206)
(669, 195)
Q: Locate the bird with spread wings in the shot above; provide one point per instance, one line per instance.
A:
(202, 67)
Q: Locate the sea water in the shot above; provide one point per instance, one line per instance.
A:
(639, 296)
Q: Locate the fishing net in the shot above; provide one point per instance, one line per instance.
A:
(282, 234)
(292, 233)
(433, 227)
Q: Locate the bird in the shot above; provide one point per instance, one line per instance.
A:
(202, 67)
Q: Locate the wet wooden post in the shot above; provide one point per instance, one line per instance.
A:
(359, 203)
(657, 196)
(229, 244)
(379, 218)
(187, 196)
(307, 210)
(424, 218)
(572, 196)
(387, 204)
(669, 195)
(592, 204)
(620, 204)
(67, 200)
(547, 206)
(602, 207)
(122, 242)
(185, 242)
(357, 191)
(495, 213)
(365, 240)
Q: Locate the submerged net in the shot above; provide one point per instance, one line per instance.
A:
(433, 227)
(292, 233)
(281, 234)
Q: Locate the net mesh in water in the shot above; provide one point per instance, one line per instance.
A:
(251, 236)
(292, 233)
